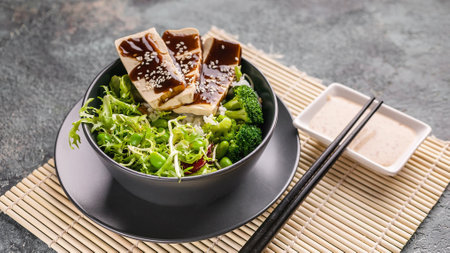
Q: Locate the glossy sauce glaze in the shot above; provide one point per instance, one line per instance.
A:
(217, 71)
(185, 50)
(179, 43)
(383, 140)
(151, 66)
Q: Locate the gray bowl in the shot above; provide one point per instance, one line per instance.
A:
(191, 190)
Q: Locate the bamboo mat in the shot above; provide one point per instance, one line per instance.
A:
(351, 210)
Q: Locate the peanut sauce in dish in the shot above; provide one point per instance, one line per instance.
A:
(383, 139)
(151, 66)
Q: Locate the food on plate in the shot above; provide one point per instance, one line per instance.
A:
(244, 106)
(159, 131)
(185, 48)
(218, 72)
(147, 60)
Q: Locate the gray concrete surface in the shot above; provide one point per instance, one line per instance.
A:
(50, 51)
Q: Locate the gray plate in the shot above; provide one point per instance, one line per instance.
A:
(94, 192)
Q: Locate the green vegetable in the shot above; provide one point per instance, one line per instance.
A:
(163, 135)
(159, 143)
(222, 149)
(135, 139)
(198, 144)
(160, 123)
(238, 73)
(234, 152)
(114, 85)
(225, 162)
(121, 88)
(103, 138)
(247, 139)
(244, 106)
(157, 160)
(224, 129)
(86, 117)
(127, 136)
(188, 141)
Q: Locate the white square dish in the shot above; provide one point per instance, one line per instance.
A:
(420, 129)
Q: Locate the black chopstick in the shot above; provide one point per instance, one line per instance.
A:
(264, 234)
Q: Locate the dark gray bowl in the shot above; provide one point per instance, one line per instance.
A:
(191, 190)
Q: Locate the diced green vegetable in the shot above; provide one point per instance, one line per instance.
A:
(157, 160)
(222, 149)
(135, 139)
(225, 162)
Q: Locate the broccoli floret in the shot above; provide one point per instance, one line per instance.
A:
(231, 133)
(234, 152)
(247, 138)
(244, 106)
(223, 126)
(224, 130)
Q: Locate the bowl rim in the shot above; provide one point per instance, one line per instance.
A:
(185, 178)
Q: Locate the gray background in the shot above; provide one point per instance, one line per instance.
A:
(50, 51)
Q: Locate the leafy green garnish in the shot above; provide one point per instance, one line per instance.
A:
(155, 144)
(159, 143)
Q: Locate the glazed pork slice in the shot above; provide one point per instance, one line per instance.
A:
(219, 59)
(150, 67)
(186, 50)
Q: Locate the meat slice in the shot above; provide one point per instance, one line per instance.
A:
(150, 67)
(219, 59)
(186, 50)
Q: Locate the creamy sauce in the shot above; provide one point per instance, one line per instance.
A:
(383, 140)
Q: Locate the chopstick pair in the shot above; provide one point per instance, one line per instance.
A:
(270, 227)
